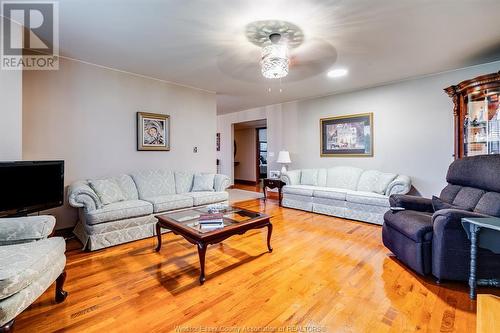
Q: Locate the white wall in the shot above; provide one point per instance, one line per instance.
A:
(86, 115)
(246, 151)
(10, 113)
(413, 127)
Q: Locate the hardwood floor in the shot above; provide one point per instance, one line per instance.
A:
(331, 274)
(247, 187)
(257, 188)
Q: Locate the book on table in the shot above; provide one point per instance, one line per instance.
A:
(211, 220)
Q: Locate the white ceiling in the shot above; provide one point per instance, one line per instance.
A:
(202, 43)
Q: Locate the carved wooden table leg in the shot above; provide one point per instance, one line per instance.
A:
(202, 249)
(158, 236)
(474, 229)
(269, 233)
(8, 327)
(60, 293)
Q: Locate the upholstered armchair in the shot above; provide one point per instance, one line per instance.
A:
(428, 235)
(30, 262)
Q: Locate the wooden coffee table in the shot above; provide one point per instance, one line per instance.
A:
(237, 221)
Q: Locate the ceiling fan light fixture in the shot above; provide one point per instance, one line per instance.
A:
(275, 61)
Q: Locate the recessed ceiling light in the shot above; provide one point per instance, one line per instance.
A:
(338, 72)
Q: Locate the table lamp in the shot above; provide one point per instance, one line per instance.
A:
(284, 158)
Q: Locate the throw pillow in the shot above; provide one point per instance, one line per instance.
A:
(309, 177)
(438, 204)
(203, 182)
(107, 190)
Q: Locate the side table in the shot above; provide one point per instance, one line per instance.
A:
(273, 183)
(472, 226)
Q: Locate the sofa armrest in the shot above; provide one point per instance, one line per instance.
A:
(16, 230)
(221, 182)
(291, 177)
(450, 244)
(446, 219)
(80, 195)
(400, 185)
(411, 202)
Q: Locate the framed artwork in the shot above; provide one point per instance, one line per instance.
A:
(275, 174)
(350, 135)
(153, 131)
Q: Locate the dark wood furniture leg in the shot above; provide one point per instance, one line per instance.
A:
(202, 249)
(60, 293)
(280, 196)
(265, 192)
(8, 328)
(158, 236)
(269, 233)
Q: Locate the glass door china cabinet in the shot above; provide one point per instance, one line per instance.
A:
(477, 115)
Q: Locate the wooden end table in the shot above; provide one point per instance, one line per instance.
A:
(473, 226)
(237, 221)
(274, 183)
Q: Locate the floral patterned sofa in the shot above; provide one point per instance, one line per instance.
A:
(121, 209)
(347, 192)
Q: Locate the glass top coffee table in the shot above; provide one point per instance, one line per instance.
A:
(237, 221)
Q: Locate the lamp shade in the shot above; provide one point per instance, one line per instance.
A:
(284, 157)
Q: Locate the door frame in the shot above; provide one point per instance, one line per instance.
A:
(257, 154)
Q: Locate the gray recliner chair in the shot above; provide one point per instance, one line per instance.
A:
(428, 235)
(30, 262)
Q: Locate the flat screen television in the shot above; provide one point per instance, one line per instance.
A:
(30, 186)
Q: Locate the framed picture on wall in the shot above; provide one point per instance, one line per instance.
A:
(350, 135)
(153, 131)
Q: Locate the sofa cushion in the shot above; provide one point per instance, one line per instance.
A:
(309, 177)
(119, 211)
(306, 190)
(414, 225)
(24, 229)
(322, 177)
(438, 204)
(127, 186)
(203, 182)
(375, 181)
(183, 182)
(468, 197)
(153, 183)
(489, 204)
(170, 202)
(330, 193)
(208, 197)
(367, 198)
(476, 171)
(107, 190)
(343, 177)
(449, 192)
(22, 264)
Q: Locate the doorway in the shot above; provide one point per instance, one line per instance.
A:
(262, 152)
(250, 154)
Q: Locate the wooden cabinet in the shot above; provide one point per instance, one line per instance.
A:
(477, 115)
